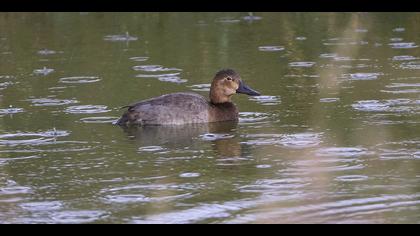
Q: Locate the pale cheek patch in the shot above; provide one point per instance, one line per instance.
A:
(229, 91)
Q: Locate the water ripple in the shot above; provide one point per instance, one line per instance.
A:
(227, 20)
(5, 85)
(399, 29)
(200, 87)
(191, 215)
(343, 152)
(44, 71)
(100, 119)
(392, 105)
(79, 80)
(397, 154)
(301, 76)
(120, 37)
(127, 198)
(140, 198)
(151, 149)
(410, 65)
(46, 52)
(164, 77)
(253, 117)
(343, 43)
(263, 166)
(139, 58)
(251, 18)
(328, 100)
(405, 149)
(154, 68)
(86, 109)
(11, 110)
(345, 59)
(328, 55)
(190, 175)
(7, 77)
(293, 141)
(396, 39)
(262, 139)
(275, 186)
(361, 76)
(51, 102)
(404, 58)
(40, 211)
(404, 45)
(78, 216)
(172, 79)
(271, 48)
(214, 137)
(361, 30)
(13, 190)
(70, 147)
(168, 75)
(302, 64)
(402, 88)
(266, 100)
(351, 178)
(337, 211)
(31, 138)
(301, 140)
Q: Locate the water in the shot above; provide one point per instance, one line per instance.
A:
(333, 139)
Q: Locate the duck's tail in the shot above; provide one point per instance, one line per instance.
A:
(123, 120)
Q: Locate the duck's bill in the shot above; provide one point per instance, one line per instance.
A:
(243, 88)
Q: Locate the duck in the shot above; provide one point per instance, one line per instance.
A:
(189, 108)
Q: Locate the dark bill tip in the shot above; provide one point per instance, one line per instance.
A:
(243, 88)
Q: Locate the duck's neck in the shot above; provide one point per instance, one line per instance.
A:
(223, 112)
(218, 97)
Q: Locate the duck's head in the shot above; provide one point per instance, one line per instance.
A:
(225, 84)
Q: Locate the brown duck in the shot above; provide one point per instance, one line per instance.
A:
(188, 108)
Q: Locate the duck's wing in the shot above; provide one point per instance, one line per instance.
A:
(176, 108)
(138, 104)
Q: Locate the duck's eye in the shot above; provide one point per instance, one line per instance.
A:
(229, 78)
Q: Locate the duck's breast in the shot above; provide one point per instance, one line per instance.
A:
(175, 108)
(223, 112)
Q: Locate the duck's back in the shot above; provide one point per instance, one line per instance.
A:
(170, 109)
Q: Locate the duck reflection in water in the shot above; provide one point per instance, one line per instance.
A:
(222, 136)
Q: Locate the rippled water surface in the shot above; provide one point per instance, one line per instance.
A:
(334, 138)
